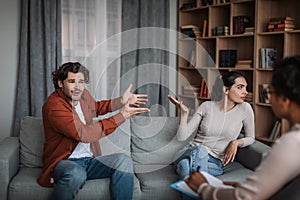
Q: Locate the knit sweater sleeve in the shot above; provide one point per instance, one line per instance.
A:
(186, 130)
(248, 123)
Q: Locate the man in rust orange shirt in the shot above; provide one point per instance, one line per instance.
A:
(72, 152)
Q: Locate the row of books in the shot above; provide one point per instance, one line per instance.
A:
(243, 64)
(275, 132)
(268, 57)
(240, 23)
(194, 31)
(221, 30)
(249, 30)
(190, 30)
(202, 91)
(281, 24)
(196, 90)
(227, 58)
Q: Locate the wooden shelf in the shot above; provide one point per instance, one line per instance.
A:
(259, 12)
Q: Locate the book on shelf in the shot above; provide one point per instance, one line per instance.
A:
(271, 57)
(278, 26)
(268, 57)
(203, 89)
(275, 132)
(263, 90)
(272, 19)
(283, 21)
(191, 30)
(243, 64)
(280, 29)
(189, 26)
(221, 30)
(281, 24)
(204, 28)
(240, 23)
(249, 30)
(227, 58)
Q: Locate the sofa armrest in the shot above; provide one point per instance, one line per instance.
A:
(9, 163)
(252, 155)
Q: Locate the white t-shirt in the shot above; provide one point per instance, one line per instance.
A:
(216, 129)
(82, 149)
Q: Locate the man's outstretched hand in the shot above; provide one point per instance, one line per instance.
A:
(134, 99)
(129, 111)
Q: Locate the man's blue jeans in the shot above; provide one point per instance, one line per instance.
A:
(70, 175)
(198, 159)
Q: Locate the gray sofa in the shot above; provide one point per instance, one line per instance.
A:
(150, 141)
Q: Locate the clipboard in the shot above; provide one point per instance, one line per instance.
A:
(182, 187)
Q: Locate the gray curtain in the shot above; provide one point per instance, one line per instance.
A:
(40, 54)
(144, 66)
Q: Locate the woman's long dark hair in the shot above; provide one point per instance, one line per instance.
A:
(227, 80)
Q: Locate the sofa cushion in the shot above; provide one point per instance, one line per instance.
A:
(154, 142)
(118, 141)
(31, 142)
(156, 184)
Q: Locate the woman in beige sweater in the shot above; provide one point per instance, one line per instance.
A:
(283, 162)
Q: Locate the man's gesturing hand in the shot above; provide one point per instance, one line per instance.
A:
(128, 111)
(134, 99)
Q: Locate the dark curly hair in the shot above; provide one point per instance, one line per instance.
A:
(285, 79)
(227, 80)
(62, 72)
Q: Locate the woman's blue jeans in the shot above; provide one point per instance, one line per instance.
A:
(198, 159)
(70, 175)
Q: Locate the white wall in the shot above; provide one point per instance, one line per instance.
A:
(9, 41)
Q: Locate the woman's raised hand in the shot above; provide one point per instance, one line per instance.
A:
(179, 104)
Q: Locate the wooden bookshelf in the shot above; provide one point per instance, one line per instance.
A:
(207, 49)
